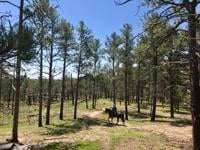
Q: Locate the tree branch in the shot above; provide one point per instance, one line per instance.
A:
(6, 1)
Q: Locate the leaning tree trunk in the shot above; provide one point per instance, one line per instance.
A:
(194, 75)
(155, 62)
(18, 71)
(41, 87)
(63, 86)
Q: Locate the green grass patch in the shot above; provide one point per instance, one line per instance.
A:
(88, 145)
(78, 145)
(55, 146)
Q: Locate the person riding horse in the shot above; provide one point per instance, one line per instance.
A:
(114, 109)
(112, 113)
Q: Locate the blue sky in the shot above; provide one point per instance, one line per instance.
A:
(102, 16)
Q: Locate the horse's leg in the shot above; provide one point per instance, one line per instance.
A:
(117, 119)
(123, 119)
(108, 120)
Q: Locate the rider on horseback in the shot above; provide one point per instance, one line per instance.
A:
(114, 109)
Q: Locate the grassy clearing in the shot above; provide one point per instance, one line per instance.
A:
(91, 133)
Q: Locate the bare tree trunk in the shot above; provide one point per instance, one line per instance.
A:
(18, 71)
(113, 80)
(126, 90)
(72, 90)
(149, 90)
(138, 88)
(86, 93)
(50, 82)
(142, 92)
(194, 74)
(94, 93)
(1, 75)
(63, 87)
(41, 87)
(155, 62)
(77, 87)
(171, 78)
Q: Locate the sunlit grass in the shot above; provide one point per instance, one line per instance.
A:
(82, 129)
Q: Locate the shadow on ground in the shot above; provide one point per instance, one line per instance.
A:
(178, 112)
(136, 115)
(13, 146)
(81, 123)
(82, 145)
(181, 123)
(143, 115)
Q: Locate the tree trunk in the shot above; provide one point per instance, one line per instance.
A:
(126, 89)
(77, 87)
(86, 93)
(50, 81)
(41, 87)
(1, 74)
(155, 62)
(72, 90)
(149, 90)
(63, 86)
(113, 80)
(94, 93)
(171, 79)
(18, 69)
(194, 75)
(138, 89)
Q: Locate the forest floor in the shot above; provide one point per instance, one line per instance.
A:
(91, 131)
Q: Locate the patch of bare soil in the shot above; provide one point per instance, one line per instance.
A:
(104, 138)
(93, 114)
(131, 144)
(180, 137)
(89, 133)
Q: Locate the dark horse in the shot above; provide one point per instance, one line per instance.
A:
(112, 114)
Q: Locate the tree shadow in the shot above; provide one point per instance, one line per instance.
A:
(183, 113)
(13, 146)
(178, 122)
(54, 146)
(137, 115)
(76, 125)
(181, 123)
(178, 112)
(115, 125)
(144, 115)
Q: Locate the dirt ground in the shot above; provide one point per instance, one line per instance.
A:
(178, 136)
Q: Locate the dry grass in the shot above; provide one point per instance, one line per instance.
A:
(91, 128)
